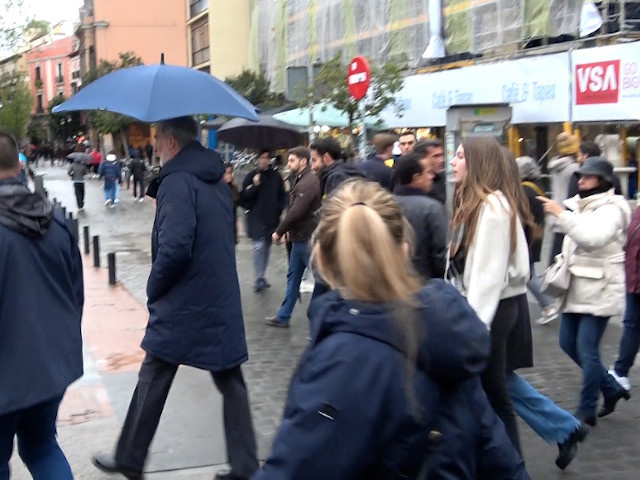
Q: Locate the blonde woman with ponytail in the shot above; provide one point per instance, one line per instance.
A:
(391, 365)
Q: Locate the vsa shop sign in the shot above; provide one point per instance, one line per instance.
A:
(607, 83)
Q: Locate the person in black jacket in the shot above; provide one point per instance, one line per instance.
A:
(195, 313)
(235, 194)
(264, 197)
(433, 152)
(390, 385)
(41, 304)
(298, 225)
(326, 161)
(426, 215)
(137, 169)
(375, 168)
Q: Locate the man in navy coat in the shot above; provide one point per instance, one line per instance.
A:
(195, 314)
(41, 303)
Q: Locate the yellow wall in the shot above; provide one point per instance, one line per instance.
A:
(229, 27)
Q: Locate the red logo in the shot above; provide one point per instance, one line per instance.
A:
(597, 82)
(359, 77)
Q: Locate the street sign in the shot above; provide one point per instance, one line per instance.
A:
(359, 77)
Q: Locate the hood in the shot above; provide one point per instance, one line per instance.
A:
(577, 204)
(205, 164)
(558, 164)
(23, 211)
(342, 167)
(454, 344)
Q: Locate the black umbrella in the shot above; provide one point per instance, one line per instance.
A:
(80, 157)
(267, 132)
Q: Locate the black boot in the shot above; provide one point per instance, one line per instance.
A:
(107, 464)
(567, 450)
(610, 403)
(591, 421)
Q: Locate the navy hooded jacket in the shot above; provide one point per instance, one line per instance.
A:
(356, 411)
(41, 300)
(195, 313)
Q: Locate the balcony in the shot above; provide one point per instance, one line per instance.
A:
(38, 83)
(197, 6)
(39, 110)
(59, 79)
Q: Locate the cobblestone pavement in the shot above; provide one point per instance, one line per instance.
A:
(611, 451)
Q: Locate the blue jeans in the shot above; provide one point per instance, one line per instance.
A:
(535, 286)
(580, 336)
(110, 191)
(37, 444)
(261, 250)
(552, 423)
(630, 341)
(298, 260)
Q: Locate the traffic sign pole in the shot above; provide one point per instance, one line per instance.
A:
(358, 81)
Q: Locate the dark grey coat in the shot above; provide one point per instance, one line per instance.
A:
(429, 222)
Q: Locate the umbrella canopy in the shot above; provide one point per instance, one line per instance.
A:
(323, 114)
(151, 93)
(80, 157)
(267, 132)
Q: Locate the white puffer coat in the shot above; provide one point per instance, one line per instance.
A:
(595, 235)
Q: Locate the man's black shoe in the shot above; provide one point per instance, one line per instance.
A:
(567, 450)
(107, 464)
(610, 403)
(227, 475)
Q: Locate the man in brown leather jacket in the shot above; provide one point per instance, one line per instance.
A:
(298, 225)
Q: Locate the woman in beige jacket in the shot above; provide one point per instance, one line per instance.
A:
(595, 232)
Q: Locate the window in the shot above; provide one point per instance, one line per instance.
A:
(197, 6)
(40, 107)
(200, 41)
(38, 77)
(59, 77)
(74, 88)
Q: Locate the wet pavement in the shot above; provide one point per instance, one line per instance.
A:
(189, 443)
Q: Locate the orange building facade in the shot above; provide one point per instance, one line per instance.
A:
(49, 68)
(145, 27)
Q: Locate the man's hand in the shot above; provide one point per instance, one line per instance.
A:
(551, 207)
(275, 238)
(256, 180)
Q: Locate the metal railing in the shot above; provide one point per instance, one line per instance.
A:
(59, 79)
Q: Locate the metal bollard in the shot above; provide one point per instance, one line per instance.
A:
(111, 259)
(86, 240)
(96, 251)
(64, 211)
(75, 229)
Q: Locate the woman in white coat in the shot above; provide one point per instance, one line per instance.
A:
(595, 232)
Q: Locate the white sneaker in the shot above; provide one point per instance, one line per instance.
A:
(549, 314)
(623, 381)
(141, 199)
(113, 205)
(107, 203)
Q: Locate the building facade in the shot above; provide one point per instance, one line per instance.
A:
(218, 36)
(49, 68)
(147, 28)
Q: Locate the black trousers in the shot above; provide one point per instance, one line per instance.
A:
(556, 247)
(494, 378)
(138, 182)
(79, 190)
(154, 381)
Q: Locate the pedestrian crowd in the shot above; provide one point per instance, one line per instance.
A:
(419, 318)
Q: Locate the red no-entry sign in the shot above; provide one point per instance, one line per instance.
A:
(359, 77)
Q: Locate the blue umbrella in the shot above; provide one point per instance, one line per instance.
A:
(151, 93)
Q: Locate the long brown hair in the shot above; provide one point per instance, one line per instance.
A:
(487, 171)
